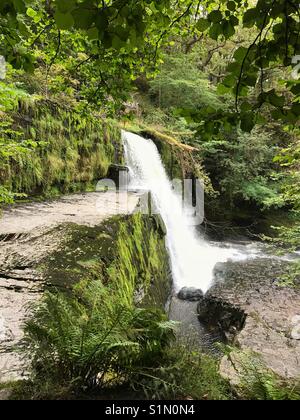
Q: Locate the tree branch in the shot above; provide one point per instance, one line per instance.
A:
(86, 60)
(41, 33)
(57, 50)
(171, 26)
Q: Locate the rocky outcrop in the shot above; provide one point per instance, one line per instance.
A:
(119, 174)
(190, 293)
(260, 315)
(33, 255)
(228, 318)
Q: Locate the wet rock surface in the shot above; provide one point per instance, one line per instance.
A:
(189, 330)
(190, 293)
(31, 236)
(248, 301)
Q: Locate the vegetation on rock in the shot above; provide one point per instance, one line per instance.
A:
(216, 85)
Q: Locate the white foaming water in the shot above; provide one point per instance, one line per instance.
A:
(192, 258)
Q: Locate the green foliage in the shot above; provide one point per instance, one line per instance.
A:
(274, 37)
(12, 142)
(97, 336)
(94, 338)
(184, 374)
(6, 196)
(240, 168)
(258, 383)
(63, 147)
(104, 44)
(119, 41)
(288, 236)
(181, 85)
(292, 278)
(9, 96)
(141, 264)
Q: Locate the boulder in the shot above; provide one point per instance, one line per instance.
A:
(224, 315)
(190, 293)
(249, 304)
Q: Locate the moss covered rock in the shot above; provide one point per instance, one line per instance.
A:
(69, 149)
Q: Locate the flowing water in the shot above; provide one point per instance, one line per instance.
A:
(192, 257)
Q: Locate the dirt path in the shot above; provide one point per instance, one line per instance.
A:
(29, 233)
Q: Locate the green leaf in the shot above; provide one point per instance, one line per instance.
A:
(229, 80)
(215, 31)
(250, 16)
(107, 40)
(117, 43)
(243, 90)
(231, 5)
(234, 20)
(260, 119)
(65, 6)
(93, 33)
(278, 28)
(19, 6)
(202, 24)
(251, 79)
(31, 13)
(296, 109)
(240, 54)
(102, 21)
(122, 33)
(234, 68)
(246, 106)
(277, 9)
(296, 89)
(23, 29)
(215, 16)
(83, 18)
(291, 117)
(64, 21)
(274, 99)
(222, 89)
(277, 114)
(125, 11)
(228, 29)
(247, 122)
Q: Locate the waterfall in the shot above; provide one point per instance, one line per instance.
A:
(192, 258)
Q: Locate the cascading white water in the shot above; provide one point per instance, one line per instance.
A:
(192, 258)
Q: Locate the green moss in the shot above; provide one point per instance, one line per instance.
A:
(142, 261)
(129, 250)
(68, 148)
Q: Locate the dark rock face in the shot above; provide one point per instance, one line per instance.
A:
(248, 302)
(225, 316)
(190, 293)
(159, 224)
(119, 174)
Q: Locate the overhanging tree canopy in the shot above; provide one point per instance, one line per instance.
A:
(127, 34)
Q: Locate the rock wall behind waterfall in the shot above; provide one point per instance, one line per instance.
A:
(70, 149)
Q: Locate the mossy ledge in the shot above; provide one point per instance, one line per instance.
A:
(70, 149)
(131, 247)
